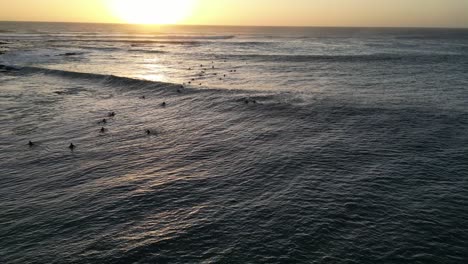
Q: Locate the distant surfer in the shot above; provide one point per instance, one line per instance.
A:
(71, 147)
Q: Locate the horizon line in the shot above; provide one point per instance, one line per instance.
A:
(201, 25)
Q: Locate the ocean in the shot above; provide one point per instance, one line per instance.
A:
(201, 144)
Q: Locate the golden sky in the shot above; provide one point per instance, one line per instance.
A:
(413, 13)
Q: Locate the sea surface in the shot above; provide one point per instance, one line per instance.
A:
(233, 144)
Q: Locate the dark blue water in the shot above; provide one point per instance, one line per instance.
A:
(319, 146)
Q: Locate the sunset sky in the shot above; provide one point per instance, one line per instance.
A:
(408, 13)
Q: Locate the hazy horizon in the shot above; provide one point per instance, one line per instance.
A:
(219, 25)
(295, 13)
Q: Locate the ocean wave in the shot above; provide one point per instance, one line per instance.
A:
(59, 36)
(219, 37)
(128, 83)
(342, 58)
(147, 51)
(145, 41)
(109, 79)
(84, 47)
(248, 43)
(100, 48)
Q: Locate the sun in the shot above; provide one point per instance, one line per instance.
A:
(151, 11)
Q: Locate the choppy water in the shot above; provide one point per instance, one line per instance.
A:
(355, 150)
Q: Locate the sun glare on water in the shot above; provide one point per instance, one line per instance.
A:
(151, 11)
